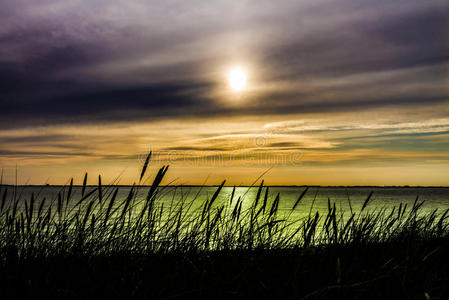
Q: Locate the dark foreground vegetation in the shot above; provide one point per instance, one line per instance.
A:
(98, 246)
(374, 271)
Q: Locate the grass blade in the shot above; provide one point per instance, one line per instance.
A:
(145, 165)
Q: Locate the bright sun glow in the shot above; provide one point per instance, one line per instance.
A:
(237, 79)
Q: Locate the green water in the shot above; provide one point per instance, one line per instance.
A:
(316, 198)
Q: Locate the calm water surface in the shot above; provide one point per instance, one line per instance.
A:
(316, 198)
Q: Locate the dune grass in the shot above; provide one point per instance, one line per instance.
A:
(98, 225)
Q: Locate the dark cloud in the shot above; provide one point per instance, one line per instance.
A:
(173, 101)
(192, 148)
(34, 138)
(396, 135)
(426, 27)
(42, 153)
(58, 69)
(376, 44)
(284, 144)
(130, 104)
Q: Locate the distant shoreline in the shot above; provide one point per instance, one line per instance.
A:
(245, 186)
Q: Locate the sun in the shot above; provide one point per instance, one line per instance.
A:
(237, 79)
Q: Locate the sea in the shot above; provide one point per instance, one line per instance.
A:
(316, 199)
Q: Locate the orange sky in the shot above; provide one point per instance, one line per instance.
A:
(318, 150)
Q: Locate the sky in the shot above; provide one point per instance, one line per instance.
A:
(338, 92)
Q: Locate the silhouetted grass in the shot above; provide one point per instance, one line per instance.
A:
(99, 245)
